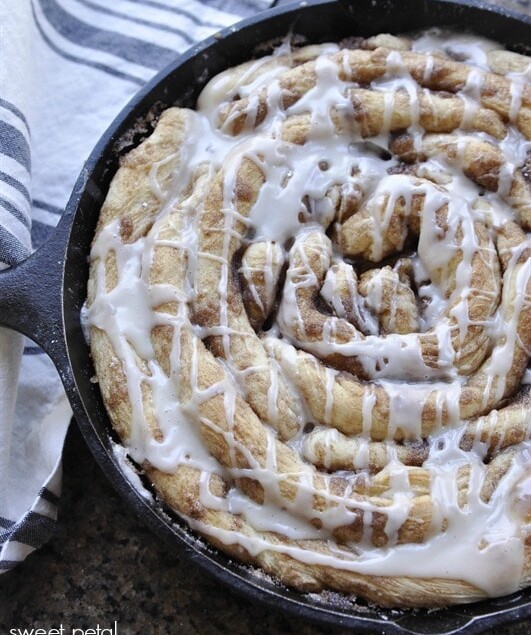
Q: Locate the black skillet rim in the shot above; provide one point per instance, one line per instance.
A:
(87, 194)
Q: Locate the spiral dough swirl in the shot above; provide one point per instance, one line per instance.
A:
(310, 316)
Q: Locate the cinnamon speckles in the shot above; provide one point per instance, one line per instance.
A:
(126, 228)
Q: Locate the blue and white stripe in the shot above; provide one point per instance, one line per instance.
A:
(15, 179)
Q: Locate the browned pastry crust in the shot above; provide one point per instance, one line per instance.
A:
(248, 395)
(363, 67)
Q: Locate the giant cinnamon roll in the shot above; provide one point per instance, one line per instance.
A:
(310, 316)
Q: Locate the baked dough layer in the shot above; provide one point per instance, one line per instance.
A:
(310, 317)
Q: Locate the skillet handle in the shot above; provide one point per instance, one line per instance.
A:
(31, 295)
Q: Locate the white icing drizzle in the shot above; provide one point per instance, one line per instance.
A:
(478, 541)
(465, 47)
(449, 554)
(471, 94)
(518, 83)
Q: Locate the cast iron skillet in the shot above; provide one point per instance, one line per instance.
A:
(42, 297)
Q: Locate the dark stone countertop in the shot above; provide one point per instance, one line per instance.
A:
(103, 565)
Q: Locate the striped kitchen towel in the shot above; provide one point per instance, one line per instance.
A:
(67, 68)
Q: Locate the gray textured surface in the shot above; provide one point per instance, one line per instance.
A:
(103, 565)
